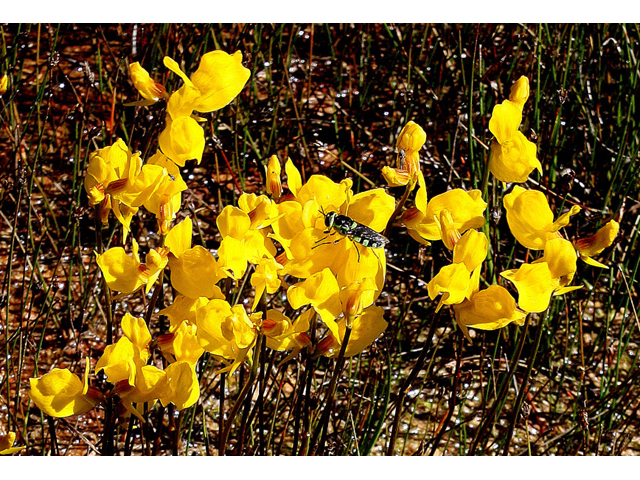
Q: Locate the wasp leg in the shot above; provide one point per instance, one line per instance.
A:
(324, 238)
(326, 243)
(357, 250)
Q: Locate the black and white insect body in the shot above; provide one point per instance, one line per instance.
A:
(357, 232)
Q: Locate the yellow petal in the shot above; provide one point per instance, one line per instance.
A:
(209, 319)
(489, 309)
(59, 393)
(195, 273)
(372, 208)
(182, 383)
(411, 138)
(172, 65)
(183, 101)
(453, 281)
(395, 177)
(182, 140)
(529, 217)
(364, 330)
(561, 258)
(596, 243)
(471, 249)
(294, 179)
(220, 78)
(6, 441)
(121, 272)
(136, 330)
(505, 121)
(179, 237)
(118, 363)
(323, 293)
(535, 285)
(514, 160)
(182, 344)
(564, 219)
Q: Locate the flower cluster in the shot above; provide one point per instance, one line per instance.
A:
(314, 251)
(285, 246)
(456, 215)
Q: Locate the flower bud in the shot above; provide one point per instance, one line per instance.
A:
(149, 89)
(596, 243)
(4, 84)
(520, 91)
(274, 186)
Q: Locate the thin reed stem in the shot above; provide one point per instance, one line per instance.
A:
(523, 385)
(406, 385)
(503, 389)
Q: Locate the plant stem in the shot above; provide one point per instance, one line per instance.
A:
(503, 389)
(395, 213)
(243, 394)
(523, 386)
(328, 407)
(454, 396)
(406, 386)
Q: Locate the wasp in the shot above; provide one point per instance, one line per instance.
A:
(353, 230)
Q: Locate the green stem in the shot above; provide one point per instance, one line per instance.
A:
(523, 386)
(243, 394)
(406, 386)
(328, 407)
(503, 389)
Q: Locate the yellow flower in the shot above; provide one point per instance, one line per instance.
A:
(410, 141)
(242, 243)
(121, 360)
(513, 157)
(488, 309)
(593, 245)
(194, 271)
(547, 276)
(183, 389)
(117, 179)
(151, 384)
(365, 329)
(126, 274)
(465, 211)
(166, 200)
(227, 331)
(182, 139)
(283, 334)
(354, 303)
(311, 247)
(217, 81)
(265, 277)
(6, 444)
(530, 218)
(181, 344)
(60, 393)
(150, 90)
(460, 280)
